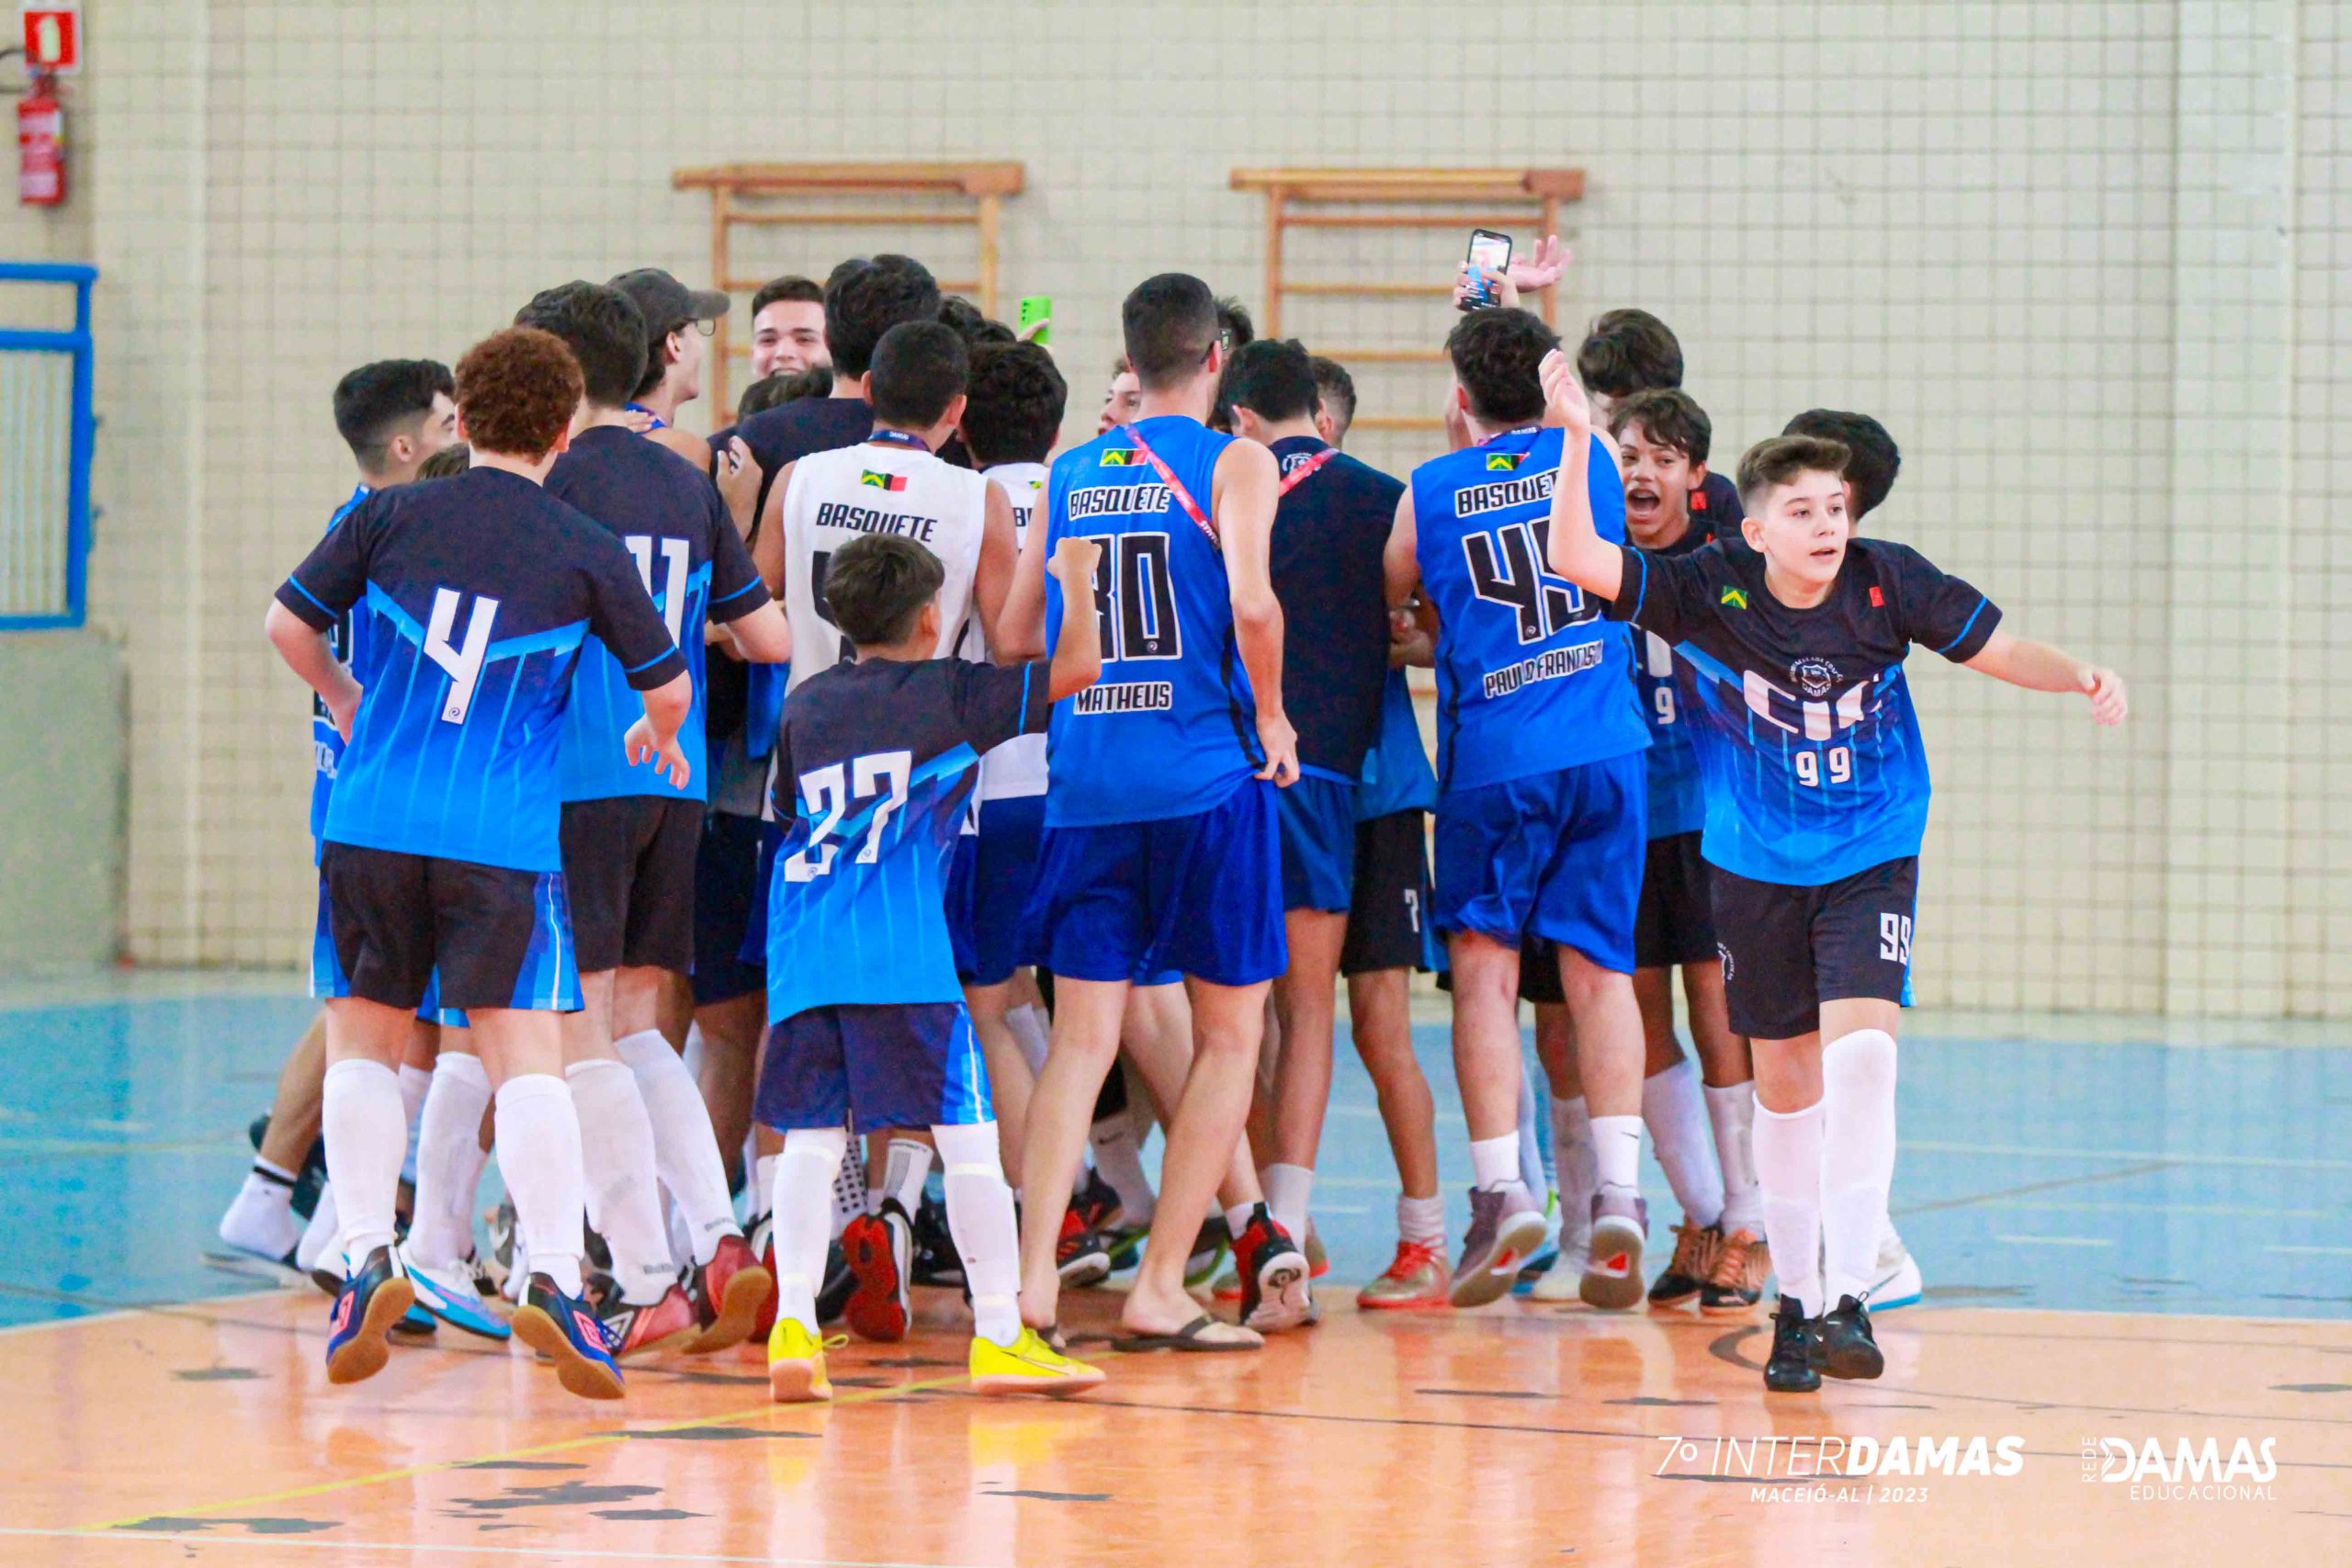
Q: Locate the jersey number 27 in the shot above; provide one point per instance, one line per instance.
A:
(880, 777)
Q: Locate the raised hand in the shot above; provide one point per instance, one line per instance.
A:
(1564, 406)
(1544, 267)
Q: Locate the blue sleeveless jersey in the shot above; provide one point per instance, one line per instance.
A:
(1170, 729)
(1530, 677)
(326, 740)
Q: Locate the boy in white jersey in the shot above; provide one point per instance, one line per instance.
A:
(1013, 415)
(892, 483)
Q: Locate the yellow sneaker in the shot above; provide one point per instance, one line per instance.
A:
(797, 1362)
(1028, 1365)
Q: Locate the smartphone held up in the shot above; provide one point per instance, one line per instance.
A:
(1489, 258)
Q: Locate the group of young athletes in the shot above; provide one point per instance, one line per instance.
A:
(690, 810)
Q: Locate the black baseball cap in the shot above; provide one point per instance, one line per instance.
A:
(667, 304)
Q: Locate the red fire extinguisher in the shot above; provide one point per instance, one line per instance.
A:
(41, 144)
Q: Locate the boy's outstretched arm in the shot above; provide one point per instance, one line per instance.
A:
(1576, 550)
(2038, 666)
(308, 655)
(1078, 650)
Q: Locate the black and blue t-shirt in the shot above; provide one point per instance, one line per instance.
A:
(1330, 528)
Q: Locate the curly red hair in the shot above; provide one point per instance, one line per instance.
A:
(517, 390)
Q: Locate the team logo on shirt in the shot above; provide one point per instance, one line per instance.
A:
(1735, 597)
(1503, 462)
(882, 481)
(1814, 677)
(1121, 457)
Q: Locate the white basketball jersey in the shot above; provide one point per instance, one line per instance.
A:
(851, 491)
(1017, 767)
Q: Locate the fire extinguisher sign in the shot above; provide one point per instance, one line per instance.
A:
(53, 38)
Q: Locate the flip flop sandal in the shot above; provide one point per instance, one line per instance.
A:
(1187, 1339)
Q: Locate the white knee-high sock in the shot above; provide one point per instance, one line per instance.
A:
(1028, 1026)
(1574, 1173)
(365, 1136)
(538, 1153)
(448, 1160)
(1675, 1113)
(1531, 1147)
(905, 1167)
(979, 1214)
(617, 1157)
(1731, 1112)
(1857, 1158)
(685, 1151)
(1788, 1168)
(1289, 1191)
(414, 1082)
(807, 1167)
(1617, 1152)
(849, 1184)
(321, 1238)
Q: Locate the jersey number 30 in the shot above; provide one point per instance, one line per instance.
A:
(880, 777)
(1136, 598)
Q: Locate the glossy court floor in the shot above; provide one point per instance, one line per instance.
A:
(2128, 1234)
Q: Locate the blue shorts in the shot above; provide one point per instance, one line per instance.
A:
(726, 889)
(890, 1065)
(1555, 855)
(1319, 828)
(1201, 895)
(989, 885)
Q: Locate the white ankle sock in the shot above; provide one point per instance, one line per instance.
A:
(449, 1158)
(616, 1147)
(1028, 1026)
(1118, 1156)
(1675, 1113)
(1421, 1220)
(1237, 1219)
(1573, 1173)
(811, 1158)
(979, 1214)
(538, 1153)
(366, 1133)
(1857, 1158)
(260, 1219)
(1494, 1162)
(685, 1151)
(1731, 1112)
(1788, 1168)
(906, 1166)
(1617, 1152)
(1289, 1191)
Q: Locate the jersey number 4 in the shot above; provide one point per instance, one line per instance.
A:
(1504, 570)
(1136, 598)
(676, 560)
(880, 777)
(462, 662)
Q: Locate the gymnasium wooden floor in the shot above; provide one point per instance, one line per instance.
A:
(2160, 1242)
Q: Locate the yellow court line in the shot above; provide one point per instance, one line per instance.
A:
(192, 1539)
(854, 1396)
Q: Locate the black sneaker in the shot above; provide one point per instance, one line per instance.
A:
(1098, 1204)
(936, 1261)
(841, 1284)
(1843, 1345)
(1274, 1292)
(1694, 1261)
(1796, 1342)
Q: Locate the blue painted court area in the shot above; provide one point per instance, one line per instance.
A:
(2034, 1172)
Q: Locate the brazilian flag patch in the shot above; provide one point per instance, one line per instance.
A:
(1503, 462)
(1735, 597)
(882, 481)
(1121, 457)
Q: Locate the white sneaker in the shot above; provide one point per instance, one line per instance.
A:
(1897, 1282)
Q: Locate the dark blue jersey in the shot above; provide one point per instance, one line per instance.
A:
(1715, 506)
(874, 765)
(691, 560)
(1530, 677)
(326, 740)
(1171, 729)
(1677, 800)
(1329, 530)
(1811, 754)
(470, 598)
(1396, 774)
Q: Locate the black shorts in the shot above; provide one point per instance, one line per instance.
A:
(629, 861)
(1787, 949)
(1539, 972)
(727, 886)
(1389, 905)
(1676, 922)
(501, 938)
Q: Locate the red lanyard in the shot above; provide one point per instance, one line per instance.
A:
(1175, 486)
(1298, 475)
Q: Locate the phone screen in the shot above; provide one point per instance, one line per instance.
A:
(1490, 252)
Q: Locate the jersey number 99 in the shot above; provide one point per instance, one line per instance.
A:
(1838, 760)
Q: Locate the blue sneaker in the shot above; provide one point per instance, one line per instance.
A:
(365, 1309)
(566, 1332)
(450, 1295)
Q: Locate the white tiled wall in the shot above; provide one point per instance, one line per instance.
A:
(2086, 260)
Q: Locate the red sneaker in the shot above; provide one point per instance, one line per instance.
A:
(880, 1248)
(642, 1330)
(728, 1293)
(1272, 1274)
(762, 1246)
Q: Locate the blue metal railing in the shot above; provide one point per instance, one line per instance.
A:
(42, 586)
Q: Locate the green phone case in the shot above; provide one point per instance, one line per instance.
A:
(1036, 307)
